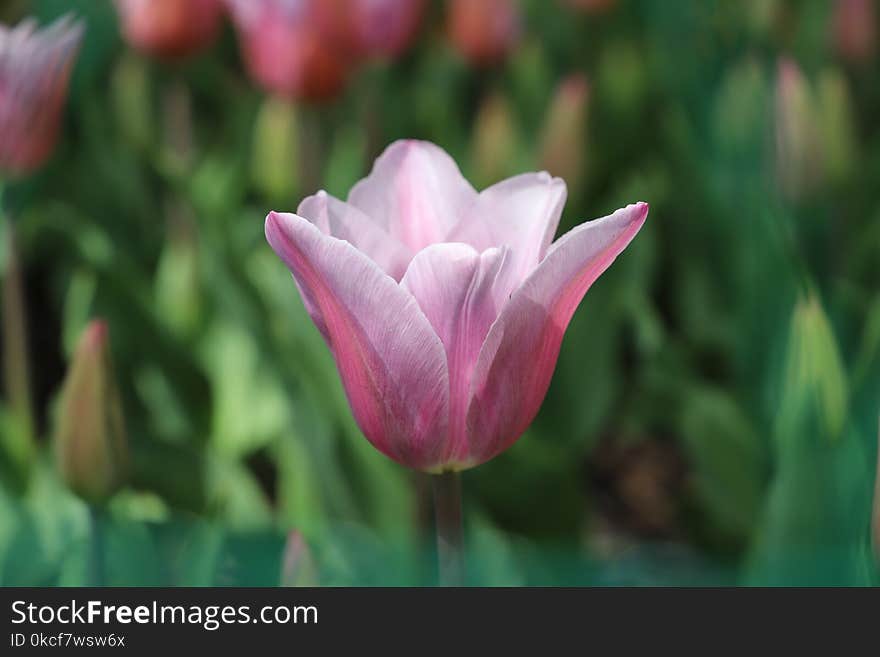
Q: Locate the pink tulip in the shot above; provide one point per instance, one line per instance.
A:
(34, 72)
(170, 28)
(292, 47)
(444, 308)
(382, 28)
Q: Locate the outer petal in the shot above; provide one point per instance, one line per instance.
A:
(416, 190)
(343, 221)
(461, 292)
(517, 360)
(521, 212)
(390, 360)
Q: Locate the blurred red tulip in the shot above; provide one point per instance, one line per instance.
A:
(855, 29)
(374, 28)
(34, 72)
(289, 47)
(170, 28)
(484, 31)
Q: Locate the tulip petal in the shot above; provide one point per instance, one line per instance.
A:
(516, 362)
(391, 362)
(521, 212)
(416, 190)
(461, 292)
(345, 222)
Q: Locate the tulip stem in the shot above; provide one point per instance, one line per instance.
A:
(96, 546)
(447, 515)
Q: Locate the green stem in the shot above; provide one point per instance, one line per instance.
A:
(16, 374)
(447, 514)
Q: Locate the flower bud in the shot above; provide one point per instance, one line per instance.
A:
(854, 26)
(275, 149)
(170, 28)
(837, 126)
(298, 567)
(484, 31)
(563, 139)
(90, 441)
(34, 72)
(740, 116)
(815, 379)
(798, 151)
(289, 50)
(494, 140)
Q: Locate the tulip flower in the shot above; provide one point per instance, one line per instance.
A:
(484, 31)
(34, 72)
(289, 48)
(444, 308)
(170, 28)
(90, 441)
(381, 28)
(854, 26)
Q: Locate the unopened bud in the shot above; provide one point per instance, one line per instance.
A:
(494, 140)
(837, 126)
(563, 139)
(275, 149)
(741, 110)
(798, 151)
(815, 379)
(90, 440)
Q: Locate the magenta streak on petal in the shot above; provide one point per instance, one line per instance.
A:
(391, 363)
(516, 362)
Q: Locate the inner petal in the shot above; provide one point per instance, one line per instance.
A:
(417, 190)
(461, 292)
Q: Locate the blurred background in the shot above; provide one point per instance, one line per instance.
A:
(172, 417)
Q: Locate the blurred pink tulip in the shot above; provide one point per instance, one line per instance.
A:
(444, 308)
(799, 160)
(484, 31)
(375, 28)
(170, 28)
(855, 29)
(34, 73)
(291, 48)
